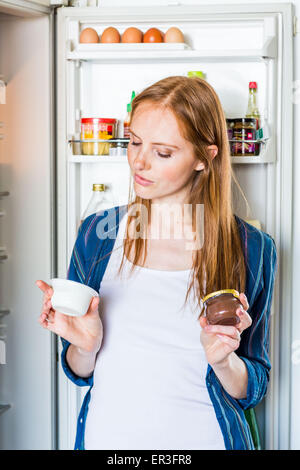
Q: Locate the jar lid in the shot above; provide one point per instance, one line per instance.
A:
(219, 292)
(92, 120)
(252, 85)
(108, 120)
(253, 120)
(98, 187)
(196, 73)
(89, 120)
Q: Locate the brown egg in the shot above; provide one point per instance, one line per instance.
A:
(88, 35)
(132, 35)
(110, 35)
(153, 35)
(174, 35)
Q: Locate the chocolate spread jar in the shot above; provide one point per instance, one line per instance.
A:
(220, 307)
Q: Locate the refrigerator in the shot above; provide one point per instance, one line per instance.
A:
(49, 82)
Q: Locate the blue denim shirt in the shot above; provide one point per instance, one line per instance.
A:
(95, 240)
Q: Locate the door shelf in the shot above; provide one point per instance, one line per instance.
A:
(116, 144)
(97, 159)
(168, 56)
(267, 155)
(249, 160)
(143, 52)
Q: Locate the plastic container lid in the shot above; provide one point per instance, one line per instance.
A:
(92, 120)
(199, 74)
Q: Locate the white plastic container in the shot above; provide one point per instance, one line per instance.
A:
(70, 297)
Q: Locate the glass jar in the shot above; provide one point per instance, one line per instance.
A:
(97, 128)
(220, 307)
(101, 199)
(230, 124)
(244, 129)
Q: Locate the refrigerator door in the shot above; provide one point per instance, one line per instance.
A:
(96, 80)
(28, 352)
(25, 9)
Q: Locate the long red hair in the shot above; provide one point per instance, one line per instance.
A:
(219, 264)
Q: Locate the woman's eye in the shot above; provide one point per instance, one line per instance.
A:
(135, 143)
(164, 155)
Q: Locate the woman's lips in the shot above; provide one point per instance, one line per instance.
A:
(142, 181)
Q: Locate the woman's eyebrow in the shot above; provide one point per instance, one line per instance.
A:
(156, 143)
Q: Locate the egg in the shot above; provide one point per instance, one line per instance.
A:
(88, 35)
(174, 35)
(110, 35)
(132, 35)
(153, 35)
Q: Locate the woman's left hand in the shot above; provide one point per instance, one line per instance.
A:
(220, 341)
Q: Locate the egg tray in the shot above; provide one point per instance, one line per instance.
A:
(142, 46)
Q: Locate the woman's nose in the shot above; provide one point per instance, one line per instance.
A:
(141, 162)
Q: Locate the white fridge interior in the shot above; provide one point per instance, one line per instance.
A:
(233, 45)
(27, 369)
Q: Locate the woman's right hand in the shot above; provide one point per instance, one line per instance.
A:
(85, 332)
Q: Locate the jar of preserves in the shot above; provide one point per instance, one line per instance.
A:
(220, 307)
(97, 128)
(244, 129)
(230, 125)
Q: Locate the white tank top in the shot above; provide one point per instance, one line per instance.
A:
(149, 387)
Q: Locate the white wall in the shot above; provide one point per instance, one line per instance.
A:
(295, 346)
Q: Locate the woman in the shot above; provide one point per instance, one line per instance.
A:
(160, 377)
